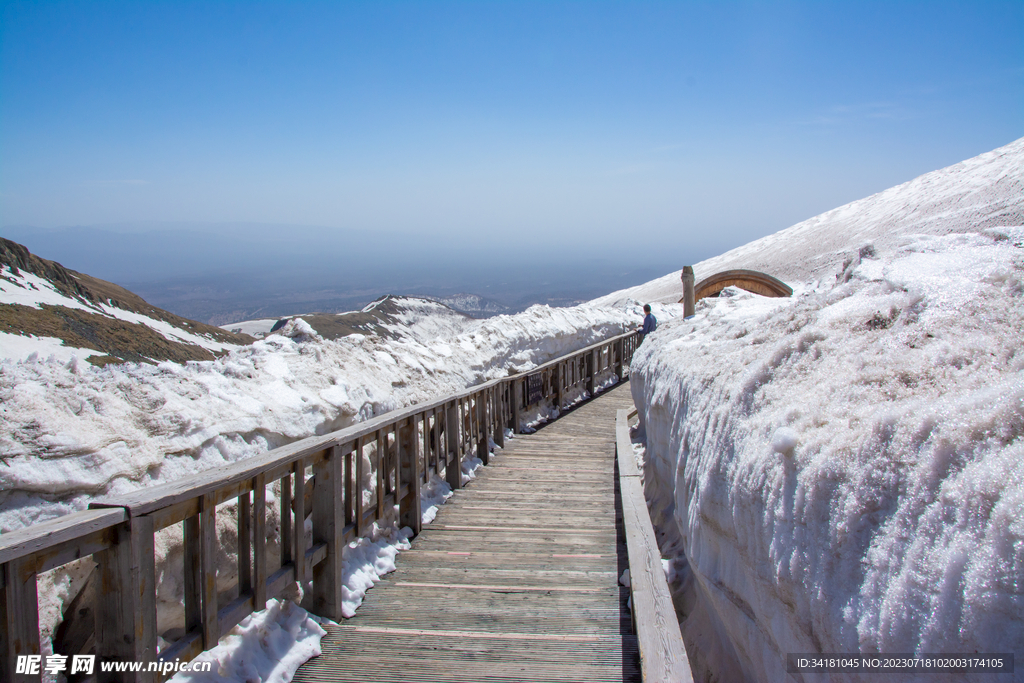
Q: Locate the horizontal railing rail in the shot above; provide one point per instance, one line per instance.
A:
(320, 479)
(662, 652)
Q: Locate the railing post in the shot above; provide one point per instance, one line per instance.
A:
(299, 534)
(19, 608)
(688, 291)
(558, 380)
(382, 447)
(328, 527)
(498, 413)
(515, 386)
(453, 453)
(620, 352)
(357, 489)
(259, 542)
(245, 543)
(409, 472)
(208, 559)
(591, 371)
(126, 614)
(483, 450)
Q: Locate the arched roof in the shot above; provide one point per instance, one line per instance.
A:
(749, 280)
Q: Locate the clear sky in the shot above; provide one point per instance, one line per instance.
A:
(642, 125)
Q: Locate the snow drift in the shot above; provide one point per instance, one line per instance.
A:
(843, 470)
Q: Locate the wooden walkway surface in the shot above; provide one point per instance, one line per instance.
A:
(516, 579)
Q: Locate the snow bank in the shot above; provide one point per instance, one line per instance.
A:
(268, 646)
(843, 470)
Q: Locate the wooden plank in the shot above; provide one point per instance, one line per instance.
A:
(285, 576)
(409, 513)
(173, 514)
(624, 447)
(126, 616)
(259, 533)
(61, 531)
(357, 491)
(193, 575)
(71, 550)
(662, 652)
(19, 610)
(287, 542)
(515, 386)
(382, 449)
(299, 527)
(328, 523)
(185, 648)
(591, 360)
(245, 544)
(483, 450)
(453, 454)
(231, 614)
(499, 417)
(208, 579)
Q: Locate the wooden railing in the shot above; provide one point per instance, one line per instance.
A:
(662, 653)
(318, 477)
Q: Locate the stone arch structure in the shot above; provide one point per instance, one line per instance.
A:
(749, 280)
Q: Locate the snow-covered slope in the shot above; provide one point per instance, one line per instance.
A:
(982, 192)
(47, 310)
(843, 470)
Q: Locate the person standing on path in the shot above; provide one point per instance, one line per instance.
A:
(650, 323)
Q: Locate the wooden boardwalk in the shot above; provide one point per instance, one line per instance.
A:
(516, 579)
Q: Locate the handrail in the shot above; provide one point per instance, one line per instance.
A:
(662, 652)
(318, 477)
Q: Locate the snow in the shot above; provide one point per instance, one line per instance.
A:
(32, 348)
(28, 289)
(267, 646)
(843, 470)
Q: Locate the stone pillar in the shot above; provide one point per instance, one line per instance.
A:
(688, 292)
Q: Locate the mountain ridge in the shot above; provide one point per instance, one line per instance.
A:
(108, 323)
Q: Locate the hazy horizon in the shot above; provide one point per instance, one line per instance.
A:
(229, 273)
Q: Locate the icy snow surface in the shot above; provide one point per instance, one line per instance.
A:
(843, 470)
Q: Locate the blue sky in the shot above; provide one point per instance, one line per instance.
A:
(650, 127)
